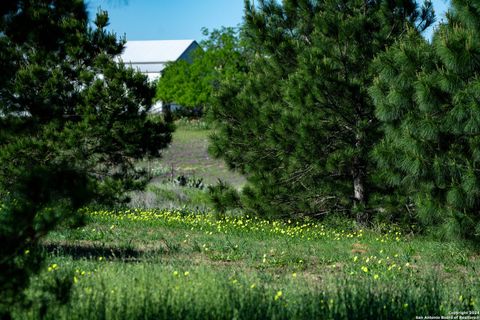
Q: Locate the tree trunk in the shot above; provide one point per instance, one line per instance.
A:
(359, 187)
(358, 173)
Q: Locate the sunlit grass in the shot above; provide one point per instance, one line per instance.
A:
(176, 264)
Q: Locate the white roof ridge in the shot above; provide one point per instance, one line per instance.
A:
(160, 40)
(154, 51)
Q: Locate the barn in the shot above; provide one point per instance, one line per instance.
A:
(150, 57)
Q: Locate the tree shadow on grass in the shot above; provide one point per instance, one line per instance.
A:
(93, 251)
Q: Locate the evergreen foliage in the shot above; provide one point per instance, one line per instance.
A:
(300, 123)
(427, 96)
(223, 197)
(192, 84)
(72, 121)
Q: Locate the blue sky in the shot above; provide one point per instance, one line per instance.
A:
(168, 19)
(179, 19)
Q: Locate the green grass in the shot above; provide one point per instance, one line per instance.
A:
(177, 265)
(181, 262)
(188, 155)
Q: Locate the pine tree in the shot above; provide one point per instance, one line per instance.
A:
(72, 121)
(427, 96)
(300, 123)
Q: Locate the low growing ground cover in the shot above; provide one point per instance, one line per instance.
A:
(164, 264)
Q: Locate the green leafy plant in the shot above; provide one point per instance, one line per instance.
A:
(192, 84)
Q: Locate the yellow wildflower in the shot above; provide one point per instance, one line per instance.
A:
(278, 295)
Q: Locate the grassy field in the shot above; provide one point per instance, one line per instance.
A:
(187, 156)
(175, 265)
(183, 261)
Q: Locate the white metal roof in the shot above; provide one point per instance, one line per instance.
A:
(154, 51)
